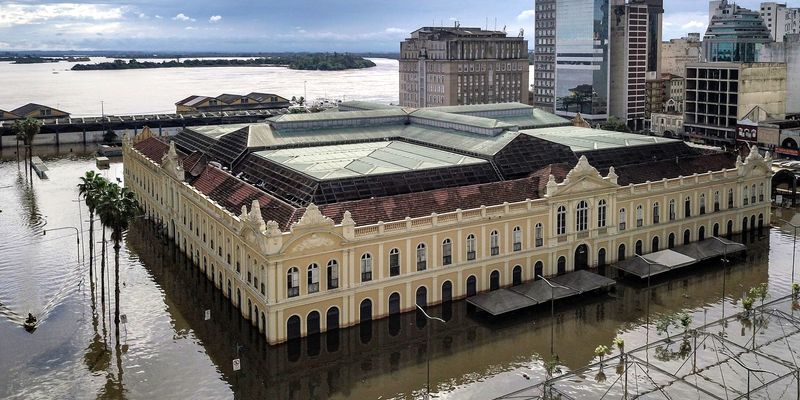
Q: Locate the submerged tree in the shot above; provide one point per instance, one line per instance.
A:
(26, 130)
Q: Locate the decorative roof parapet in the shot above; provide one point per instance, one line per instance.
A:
(348, 226)
(313, 217)
(172, 163)
(612, 176)
(582, 168)
(253, 218)
(753, 161)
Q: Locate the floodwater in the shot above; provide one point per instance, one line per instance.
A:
(168, 350)
(150, 91)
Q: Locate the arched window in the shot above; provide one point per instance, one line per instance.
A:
(753, 194)
(702, 203)
(394, 262)
(313, 278)
(582, 216)
(656, 212)
(621, 252)
(494, 243)
(601, 214)
(639, 216)
(745, 196)
(622, 219)
(516, 237)
(730, 198)
(654, 247)
(601, 258)
(761, 191)
(394, 303)
(538, 270)
(422, 296)
(447, 252)
(561, 220)
(447, 291)
(312, 323)
(494, 280)
(366, 267)
(687, 207)
(638, 248)
(672, 210)
(539, 234)
(715, 230)
(471, 247)
(716, 201)
(332, 319)
(671, 241)
(687, 236)
(561, 266)
(516, 275)
(472, 286)
(422, 259)
(293, 327)
(293, 282)
(333, 274)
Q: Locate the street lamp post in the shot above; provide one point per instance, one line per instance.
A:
(649, 272)
(725, 262)
(552, 311)
(428, 350)
(77, 239)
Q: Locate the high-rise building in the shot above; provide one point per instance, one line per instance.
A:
(544, 59)
(774, 17)
(594, 57)
(734, 34)
(444, 66)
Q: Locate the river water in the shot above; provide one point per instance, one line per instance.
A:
(168, 350)
(150, 91)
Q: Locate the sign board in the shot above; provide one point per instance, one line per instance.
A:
(787, 151)
(748, 133)
(123, 318)
(237, 364)
(779, 198)
(207, 315)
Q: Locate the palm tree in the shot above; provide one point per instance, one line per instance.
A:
(116, 208)
(91, 185)
(26, 129)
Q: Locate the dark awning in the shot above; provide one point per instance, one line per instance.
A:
(679, 257)
(535, 292)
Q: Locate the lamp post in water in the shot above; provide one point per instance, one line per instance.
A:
(428, 350)
(649, 272)
(553, 286)
(77, 239)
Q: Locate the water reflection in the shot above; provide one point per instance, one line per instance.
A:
(387, 357)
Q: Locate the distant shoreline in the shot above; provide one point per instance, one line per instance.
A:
(307, 62)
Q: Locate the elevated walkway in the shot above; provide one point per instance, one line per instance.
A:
(679, 257)
(535, 292)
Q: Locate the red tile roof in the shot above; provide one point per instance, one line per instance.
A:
(420, 204)
(232, 193)
(152, 148)
(685, 166)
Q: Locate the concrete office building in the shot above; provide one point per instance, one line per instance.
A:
(334, 219)
(780, 19)
(596, 55)
(442, 66)
(544, 59)
(734, 34)
(676, 53)
(787, 52)
(718, 95)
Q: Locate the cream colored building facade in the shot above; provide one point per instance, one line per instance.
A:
(282, 280)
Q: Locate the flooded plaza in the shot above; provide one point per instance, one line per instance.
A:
(168, 349)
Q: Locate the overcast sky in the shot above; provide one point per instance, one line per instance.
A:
(270, 25)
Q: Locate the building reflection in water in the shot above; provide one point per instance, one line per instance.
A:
(392, 351)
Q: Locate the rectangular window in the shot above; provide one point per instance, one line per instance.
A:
(394, 264)
(447, 253)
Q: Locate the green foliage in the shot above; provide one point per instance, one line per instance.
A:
(619, 342)
(305, 61)
(795, 289)
(685, 319)
(615, 124)
(760, 292)
(116, 207)
(110, 136)
(26, 129)
(747, 303)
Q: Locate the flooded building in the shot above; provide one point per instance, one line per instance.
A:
(312, 222)
(231, 102)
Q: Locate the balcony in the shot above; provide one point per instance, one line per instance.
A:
(622, 226)
(313, 287)
(539, 242)
(495, 251)
(470, 255)
(333, 283)
(517, 246)
(394, 270)
(422, 265)
(447, 260)
(366, 276)
(293, 291)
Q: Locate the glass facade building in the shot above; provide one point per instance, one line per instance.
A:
(582, 58)
(735, 34)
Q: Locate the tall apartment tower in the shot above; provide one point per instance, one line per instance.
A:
(441, 66)
(544, 59)
(734, 34)
(780, 19)
(601, 52)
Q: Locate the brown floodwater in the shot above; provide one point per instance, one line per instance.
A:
(168, 350)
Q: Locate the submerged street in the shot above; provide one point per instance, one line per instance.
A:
(168, 349)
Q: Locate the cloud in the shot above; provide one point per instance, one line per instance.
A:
(215, 18)
(693, 24)
(396, 30)
(24, 14)
(159, 17)
(190, 28)
(141, 15)
(526, 15)
(183, 17)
